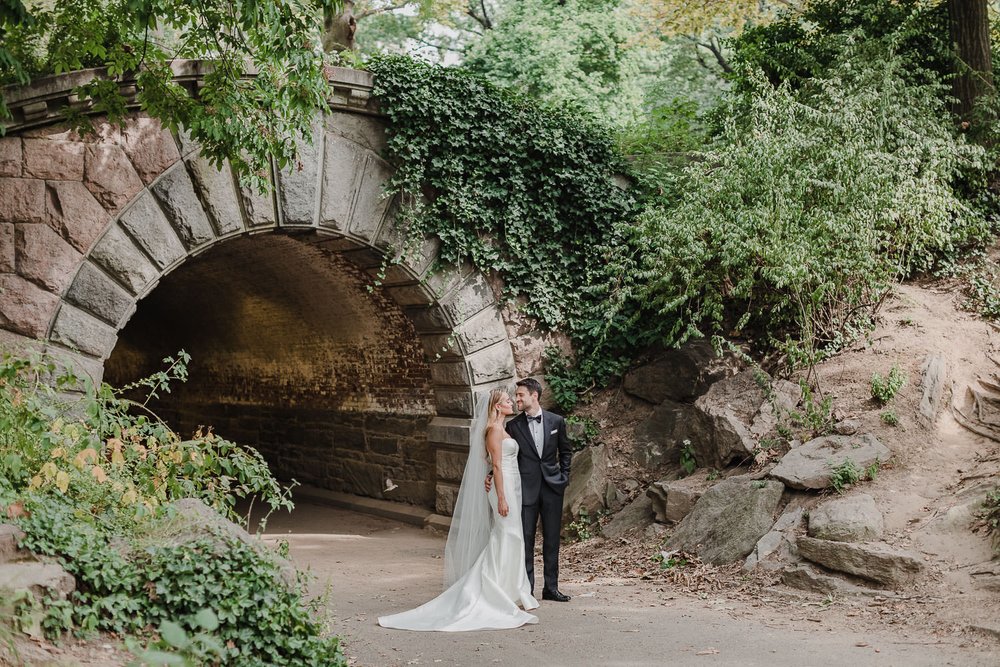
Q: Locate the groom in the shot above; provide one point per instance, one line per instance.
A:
(543, 460)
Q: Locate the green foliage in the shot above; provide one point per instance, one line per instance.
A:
(889, 418)
(989, 515)
(671, 560)
(577, 51)
(90, 479)
(871, 472)
(816, 416)
(583, 431)
(885, 388)
(247, 120)
(806, 44)
(844, 475)
(791, 227)
(688, 463)
(982, 287)
(513, 186)
(583, 527)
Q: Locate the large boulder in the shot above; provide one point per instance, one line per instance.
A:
(636, 516)
(679, 375)
(736, 413)
(41, 579)
(851, 519)
(659, 437)
(807, 578)
(874, 562)
(811, 465)
(673, 499)
(778, 541)
(728, 519)
(588, 484)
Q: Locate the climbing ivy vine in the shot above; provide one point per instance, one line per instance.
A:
(518, 187)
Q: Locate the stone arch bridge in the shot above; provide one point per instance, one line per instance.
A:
(121, 247)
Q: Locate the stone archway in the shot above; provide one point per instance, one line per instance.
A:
(95, 225)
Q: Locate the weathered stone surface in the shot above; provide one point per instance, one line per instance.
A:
(810, 465)
(493, 363)
(674, 499)
(298, 184)
(149, 147)
(851, 519)
(40, 578)
(679, 375)
(875, 562)
(450, 373)
(727, 411)
(146, 223)
(935, 374)
(218, 193)
(189, 520)
(23, 199)
(370, 204)
(109, 176)
(183, 208)
(10, 156)
(587, 483)
(72, 211)
(847, 427)
(481, 331)
(342, 176)
(450, 465)
(636, 516)
(728, 519)
(79, 330)
(805, 577)
(96, 293)
(7, 254)
(445, 496)
(55, 160)
(44, 258)
(119, 256)
(471, 298)
(25, 307)
(10, 537)
(659, 437)
(364, 479)
(259, 208)
(778, 540)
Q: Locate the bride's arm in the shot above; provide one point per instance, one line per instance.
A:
(494, 437)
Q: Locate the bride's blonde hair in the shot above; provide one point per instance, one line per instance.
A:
(493, 415)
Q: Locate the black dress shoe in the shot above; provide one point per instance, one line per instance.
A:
(554, 595)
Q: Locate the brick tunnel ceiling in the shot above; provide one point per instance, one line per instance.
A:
(270, 320)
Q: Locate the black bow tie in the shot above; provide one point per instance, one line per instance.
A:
(536, 418)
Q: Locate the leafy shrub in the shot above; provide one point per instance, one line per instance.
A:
(989, 515)
(884, 389)
(795, 222)
(890, 418)
(88, 477)
(844, 475)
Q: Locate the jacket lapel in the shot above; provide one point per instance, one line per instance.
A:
(523, 433)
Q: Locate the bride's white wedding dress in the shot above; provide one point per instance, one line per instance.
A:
(486, 597)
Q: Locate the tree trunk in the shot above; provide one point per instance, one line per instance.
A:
(970, 34)
(339, 29)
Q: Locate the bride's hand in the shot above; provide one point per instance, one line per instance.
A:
(502, 508)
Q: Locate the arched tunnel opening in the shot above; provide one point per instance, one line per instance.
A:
(293, 353)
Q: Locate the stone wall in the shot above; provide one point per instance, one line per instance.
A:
(272, 294)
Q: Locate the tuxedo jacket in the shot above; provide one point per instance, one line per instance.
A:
(552, 467)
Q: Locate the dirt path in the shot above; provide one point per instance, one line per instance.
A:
(371, 566)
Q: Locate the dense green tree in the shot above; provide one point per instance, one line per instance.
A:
(247, 119)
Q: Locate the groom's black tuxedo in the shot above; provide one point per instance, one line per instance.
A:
(543, 481)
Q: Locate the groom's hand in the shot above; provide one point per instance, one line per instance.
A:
(489, 482)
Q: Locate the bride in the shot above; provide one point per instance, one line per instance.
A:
(484, 576)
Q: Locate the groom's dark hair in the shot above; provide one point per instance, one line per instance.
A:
(531, 384)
